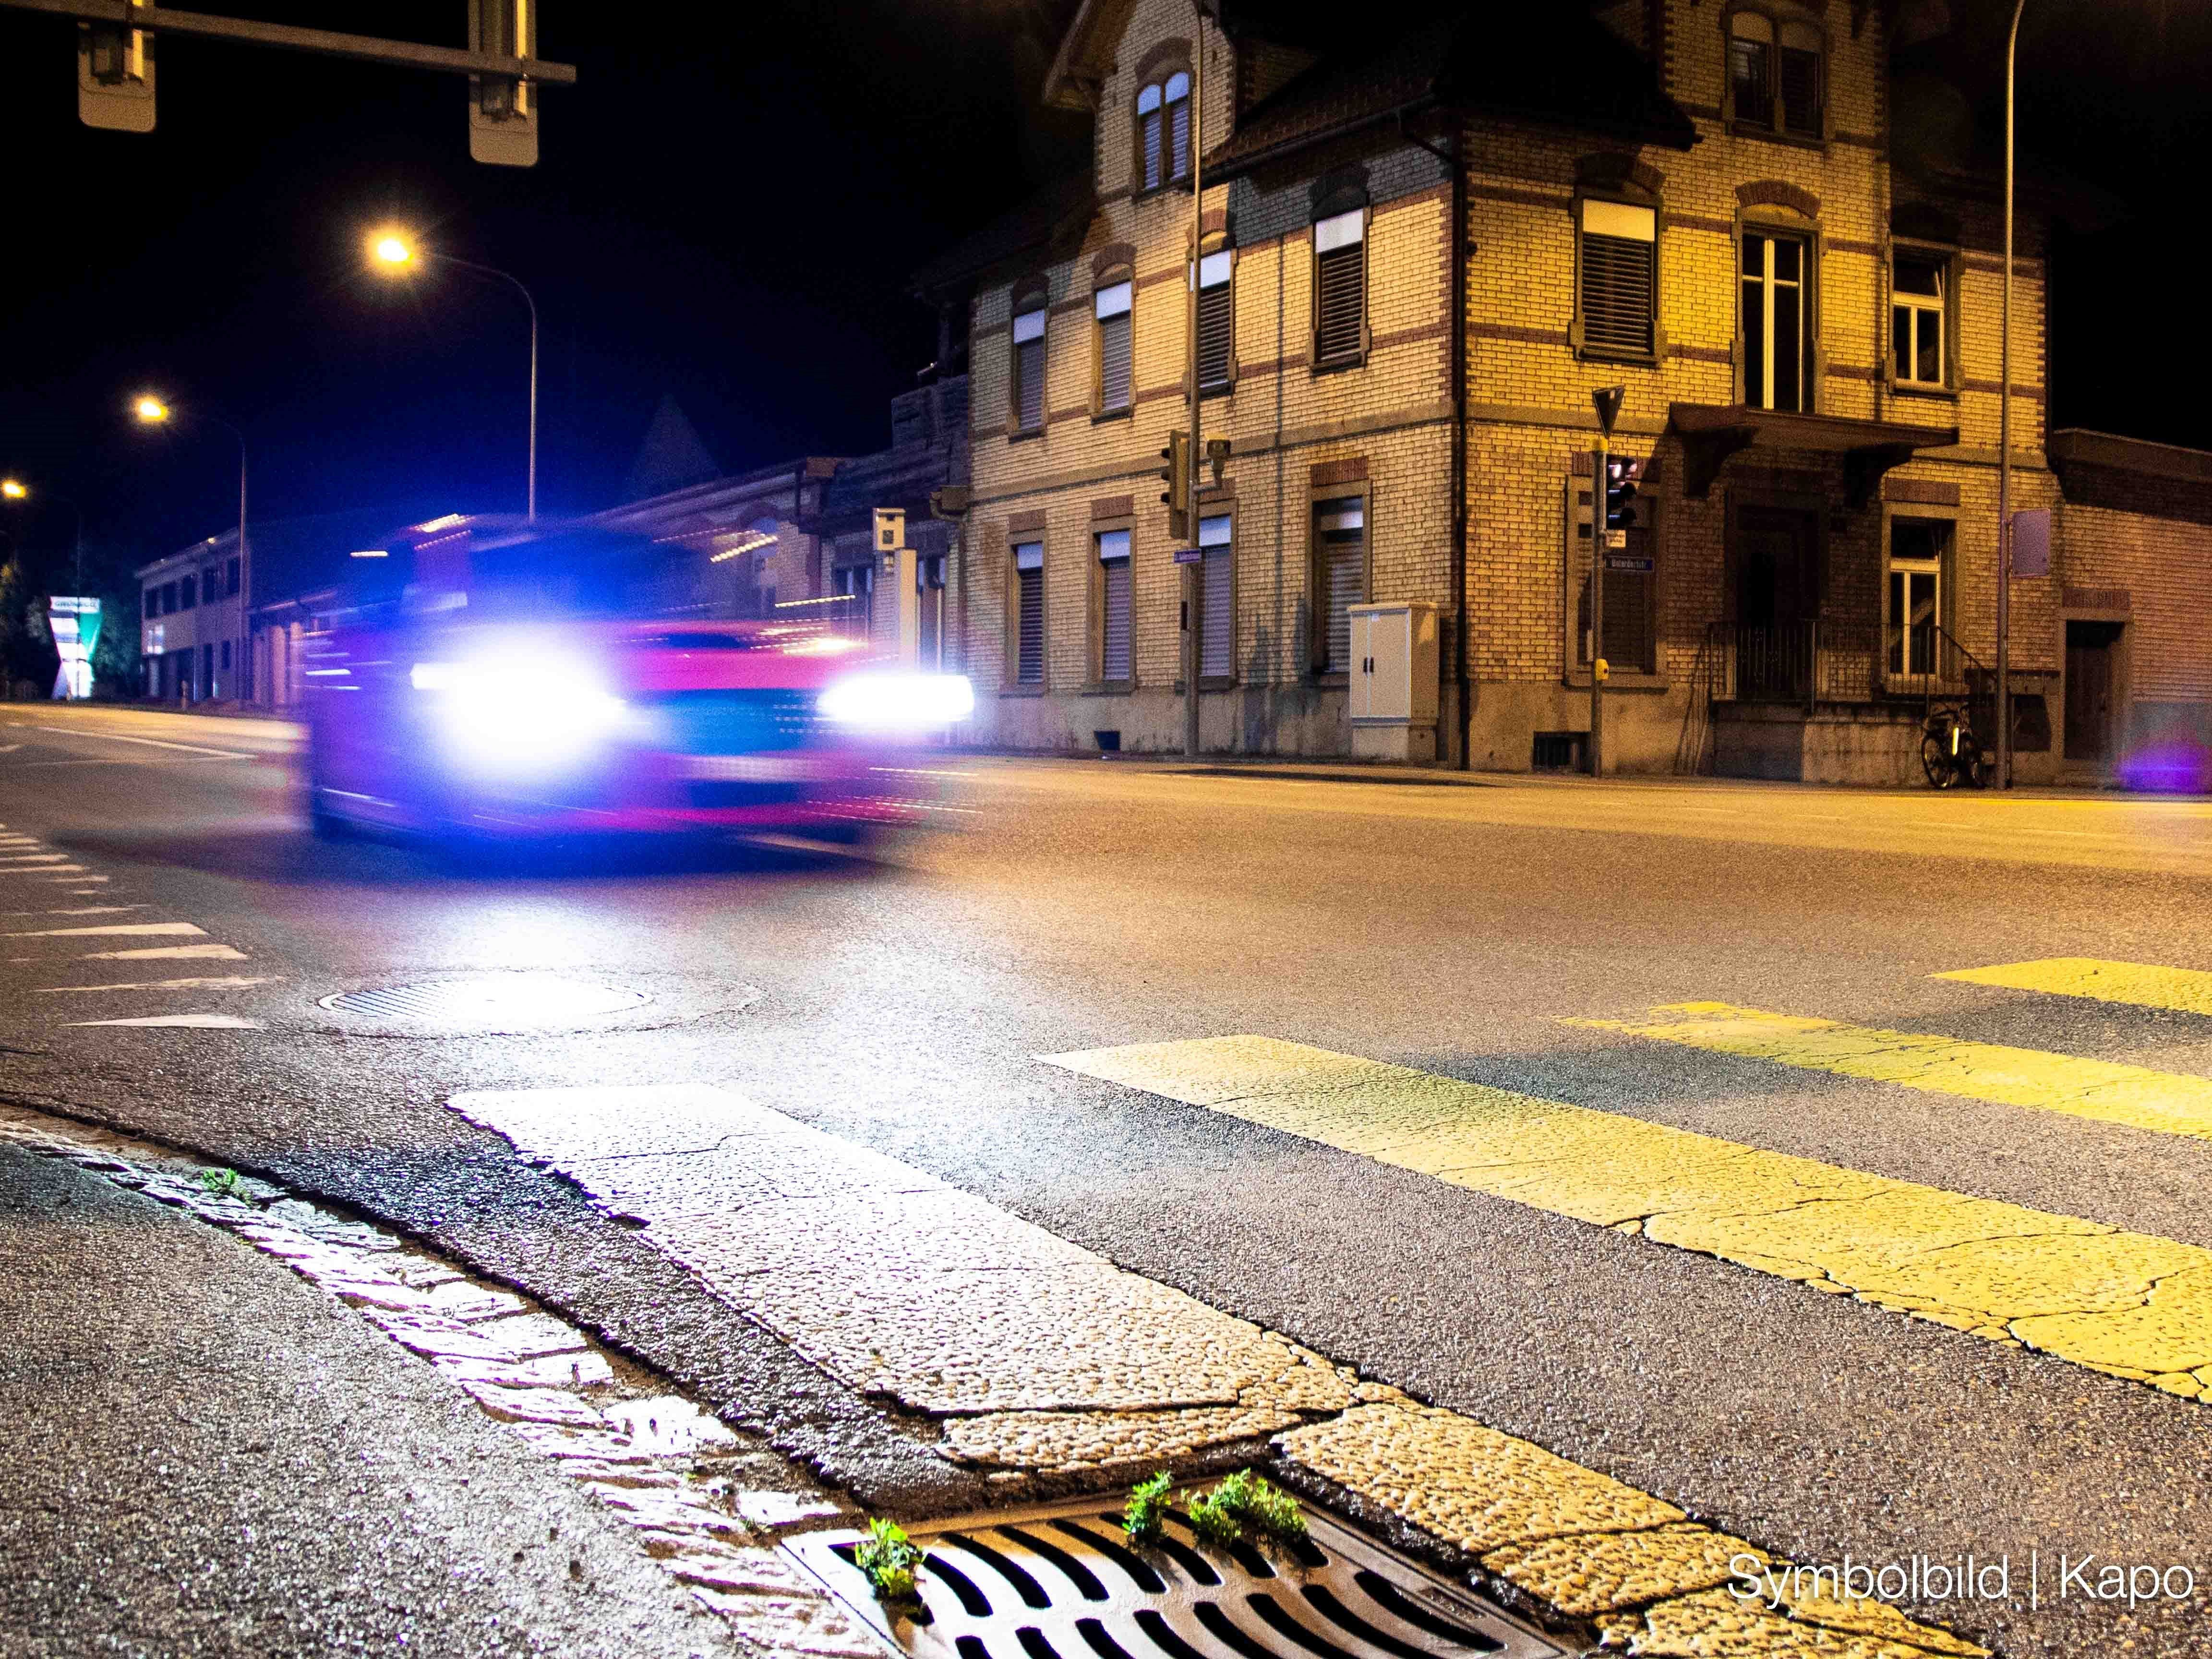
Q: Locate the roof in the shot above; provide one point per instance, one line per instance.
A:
(1553, 63)
(1051, 218)
(2075, 445)
(293, 555)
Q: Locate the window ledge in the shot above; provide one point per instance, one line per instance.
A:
(1023, 434)
(1775, 135)
(1217, 682)
(1337, 365)
(1021, 690)
(1607, 355)
(1108, 688)
(1099, 417)
(1921, 389)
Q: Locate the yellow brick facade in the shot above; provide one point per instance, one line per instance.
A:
(1387, 427)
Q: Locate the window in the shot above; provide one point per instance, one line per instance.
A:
(1112, 306)
(1777, 339)
(168, 598)
(1339, 542)
(1341, 288)
(1217, 321)
(230, 578)
(1776, 78)
(1916, 319)
(1164, 130)
(1918, 551)
(1028, 613)
(1029, 365)
(1217, 610)
(1114, 605)
(187, 592)
(210, 589)
(1619, 250)
(1751, 68)
(226, 656)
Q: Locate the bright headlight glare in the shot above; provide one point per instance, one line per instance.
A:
(522, 714)
(897, 702)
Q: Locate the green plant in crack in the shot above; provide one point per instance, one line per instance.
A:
(225, 1184)
(1147, 1509)
(1242, 1503)
(887, 1558)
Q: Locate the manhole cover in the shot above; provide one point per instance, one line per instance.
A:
(513, 1002)
(1060, 1583)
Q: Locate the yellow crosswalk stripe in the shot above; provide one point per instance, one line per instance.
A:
(2128, 1303)
(2187, 990)
(2136, 1095)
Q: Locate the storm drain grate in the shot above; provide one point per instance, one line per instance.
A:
(521, 1001)
(1060, 1583)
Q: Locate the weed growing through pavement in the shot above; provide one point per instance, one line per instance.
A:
(1246, 1502)
(1148, 1504)
(887, 1558)
(225, 1184)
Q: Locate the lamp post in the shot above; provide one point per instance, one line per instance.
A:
(2004, 434)
(150, 410)
(1193, 586)
(396, 254)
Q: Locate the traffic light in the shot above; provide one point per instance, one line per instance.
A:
(1621, 477)
(1176, 475)
(115, 76)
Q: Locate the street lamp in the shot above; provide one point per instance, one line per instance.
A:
(396, 253)
(150, 410)
(15, 489)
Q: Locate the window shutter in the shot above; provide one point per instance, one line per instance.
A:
(1216, 330)
(1340, 534)
(1618, 266)
(1217, 609)
(1340, 288)
(1029, 370)
(1112, 306)
(1115, 598)
(1028, 613)
(1148, 135)
(1801, 93)
(1178, 98)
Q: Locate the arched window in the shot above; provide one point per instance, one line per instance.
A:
(1776, 79)
(1164, 128)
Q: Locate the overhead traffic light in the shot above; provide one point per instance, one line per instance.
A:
(1177, 475)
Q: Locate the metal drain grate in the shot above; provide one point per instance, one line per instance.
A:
(521, 1001)
(1060, 1583)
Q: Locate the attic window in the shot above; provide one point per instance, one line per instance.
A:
(1163, 129)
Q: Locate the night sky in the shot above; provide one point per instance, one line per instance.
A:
(726, 212)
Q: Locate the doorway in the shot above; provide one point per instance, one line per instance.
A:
(1777, 595)
(2090, 685)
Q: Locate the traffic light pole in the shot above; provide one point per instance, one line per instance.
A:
(1598, 477)
(1192, 575)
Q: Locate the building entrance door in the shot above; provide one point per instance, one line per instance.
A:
(2090, 687)
(1777, 595)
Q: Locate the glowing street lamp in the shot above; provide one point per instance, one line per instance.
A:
(13, 488)
(395, 253)
(150, 410)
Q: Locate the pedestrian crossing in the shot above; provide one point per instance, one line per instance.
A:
(52, 942)
(2130, 1304)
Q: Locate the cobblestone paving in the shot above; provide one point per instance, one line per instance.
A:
(709, 1505)
(1040, 1356)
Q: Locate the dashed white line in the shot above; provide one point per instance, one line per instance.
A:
(112, 928)
(166, 953)
(232, 983)
(189, 1022)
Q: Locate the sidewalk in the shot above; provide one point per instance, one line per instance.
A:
(201, 1453)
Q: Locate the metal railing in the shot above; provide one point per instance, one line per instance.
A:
(1822, 660)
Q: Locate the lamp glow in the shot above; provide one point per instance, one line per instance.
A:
(152, 410)
(897, 702)
(392, 250)
(12, 490)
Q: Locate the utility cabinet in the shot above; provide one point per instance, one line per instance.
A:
(1394, 681)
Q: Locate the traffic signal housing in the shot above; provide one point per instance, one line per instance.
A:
(1177, 475)
(1622, 513)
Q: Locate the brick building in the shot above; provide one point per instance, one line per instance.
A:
(1423, 249)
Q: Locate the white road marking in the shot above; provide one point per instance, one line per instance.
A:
(189, 1022)
(34, 857)
(10, 747)
(151, 743)
(235, 982)
(77, 870)
(165, 953)
(113, 928)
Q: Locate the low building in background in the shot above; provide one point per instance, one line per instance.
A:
(192, 634)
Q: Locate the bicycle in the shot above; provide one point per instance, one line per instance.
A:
(1949, 752)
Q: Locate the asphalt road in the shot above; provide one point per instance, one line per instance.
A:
(1451, 925)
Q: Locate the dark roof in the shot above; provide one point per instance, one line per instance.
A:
(1051, 219)
(1550, 63)
(294, 556)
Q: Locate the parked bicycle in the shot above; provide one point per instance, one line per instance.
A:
(1949, 752)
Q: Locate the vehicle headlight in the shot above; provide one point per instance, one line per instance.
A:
(897, 702)
(521, 715)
